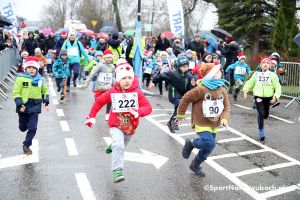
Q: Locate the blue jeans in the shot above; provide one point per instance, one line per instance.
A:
(176, 103)
(28, 121)
(206, 144)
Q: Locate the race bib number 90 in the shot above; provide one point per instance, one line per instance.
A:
(240, 71)
(105, 77)
(263, 78)
(212, 108)
(122, 101)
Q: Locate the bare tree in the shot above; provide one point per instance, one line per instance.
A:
(55, 14)
(117, 14)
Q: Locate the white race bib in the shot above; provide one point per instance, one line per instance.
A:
(122, 101)
(212, 108)
(73, 52)
(105, 77)
(240, 70)
(263, 78)
(148, 70)
(192, 65)
(49, 61)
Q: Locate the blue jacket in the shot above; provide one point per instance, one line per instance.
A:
(60, 68)
(75, 51)
(237, 67)
(93, 44)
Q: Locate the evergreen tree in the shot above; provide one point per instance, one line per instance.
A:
(294, 49)
(280, 32)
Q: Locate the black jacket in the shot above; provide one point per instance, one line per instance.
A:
(101, 46)
(50, 43)
(198, 47)
(162, 45)
(29, 45)
(179, 83)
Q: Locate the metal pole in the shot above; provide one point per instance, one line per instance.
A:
(139, 11)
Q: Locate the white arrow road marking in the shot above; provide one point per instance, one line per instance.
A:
(146, 157)
(84, 186)
(22, 159)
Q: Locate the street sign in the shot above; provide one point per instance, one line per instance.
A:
(94, 22)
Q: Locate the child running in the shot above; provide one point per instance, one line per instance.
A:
(128, 105)
(210, 109)
(266, 91)
(30, 92)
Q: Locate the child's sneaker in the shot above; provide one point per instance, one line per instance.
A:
(108, 149)
(118, 176)
(187, 148)
(197, 169)
(74, 83)
(106, 116)
(262, 140)
(68, 89)
(62, 96)
(27, 150)
(170, 126)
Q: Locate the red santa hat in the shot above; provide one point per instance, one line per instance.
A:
(31, 61)
(63, 33)
(24, 52)
(274, 60)
(123, 69)
(107, 53)
(265, 58)
(241, 56)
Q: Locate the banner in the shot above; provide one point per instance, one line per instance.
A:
(7, 10)
(176, 17)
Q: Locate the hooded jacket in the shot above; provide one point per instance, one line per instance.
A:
(30, 45)
(124, 121)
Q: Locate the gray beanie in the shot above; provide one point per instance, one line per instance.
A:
(63, 52)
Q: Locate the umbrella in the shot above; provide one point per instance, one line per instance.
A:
(213, 43)
(108, 29)
(297, 39)
(87, 31)
(46, 31)
(220, 33)
(168, 34)
(129, 33)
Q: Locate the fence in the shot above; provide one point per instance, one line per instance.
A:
(291, 80)
(8, 71)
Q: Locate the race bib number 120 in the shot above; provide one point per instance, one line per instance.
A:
(105, 77)
(122, 101)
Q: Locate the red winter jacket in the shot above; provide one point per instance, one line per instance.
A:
(124, 121)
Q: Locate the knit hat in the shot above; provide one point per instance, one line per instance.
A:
(163, 53)
(241, 56)
(37, 51)
(188, 51)
(182, 60)
(24, 52)
(115, 36)
(123, 69)
(63, 33)
(264, 59)
(31, 61)
(99, 53)
(275, 54)
(63, 52)
(107, 53)
(208, 70)
(273, 60)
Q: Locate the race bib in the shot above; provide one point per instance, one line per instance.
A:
(49, 61)
(148, 70)
(240, 70)
(263, 77)
(73, 52)
(212, 108)
(105, 77)
(192, 65)
(122, 101)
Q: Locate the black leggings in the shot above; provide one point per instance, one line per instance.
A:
(263, 107)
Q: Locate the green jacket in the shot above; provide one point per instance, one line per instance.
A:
(273, 88)
(91, 65)
(83, 62)
(31, 92)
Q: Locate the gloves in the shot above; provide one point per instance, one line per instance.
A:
(90, 122)
(133, 112)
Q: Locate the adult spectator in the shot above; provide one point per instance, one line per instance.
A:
(197, 46)
(50, 42)
(114, 44)
(42, 43)
(102, 44)
(162, 43)
(60, 41)
(84, 40)
(30, 44)
(178, 47)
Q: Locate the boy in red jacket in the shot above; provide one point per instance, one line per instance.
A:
(128, 104)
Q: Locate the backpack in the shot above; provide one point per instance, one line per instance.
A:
(78, 48)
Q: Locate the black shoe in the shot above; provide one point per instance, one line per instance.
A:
(62, 96)
(170, 126)
(176, 127)
(58, 89)
(197, 169)
(27, 150)
(277, 103)
(187, 148)
(262, 140)
(235, 97)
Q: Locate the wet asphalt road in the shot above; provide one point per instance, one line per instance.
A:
(56, 174)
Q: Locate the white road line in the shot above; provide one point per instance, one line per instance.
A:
(166, 120)
(84, 186)
(55, 101)
(159, 115)
(166, 109)
(247, 172)
(228, 155)
(280, 191)
(186, 134)
(60, 112)
(278, 166)
(285, 120)
(52, 91)
(147, 92)
(72, 150)
(64, 126)
(273, 116)
(22, 159)
(230, 140)
(251, 152)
